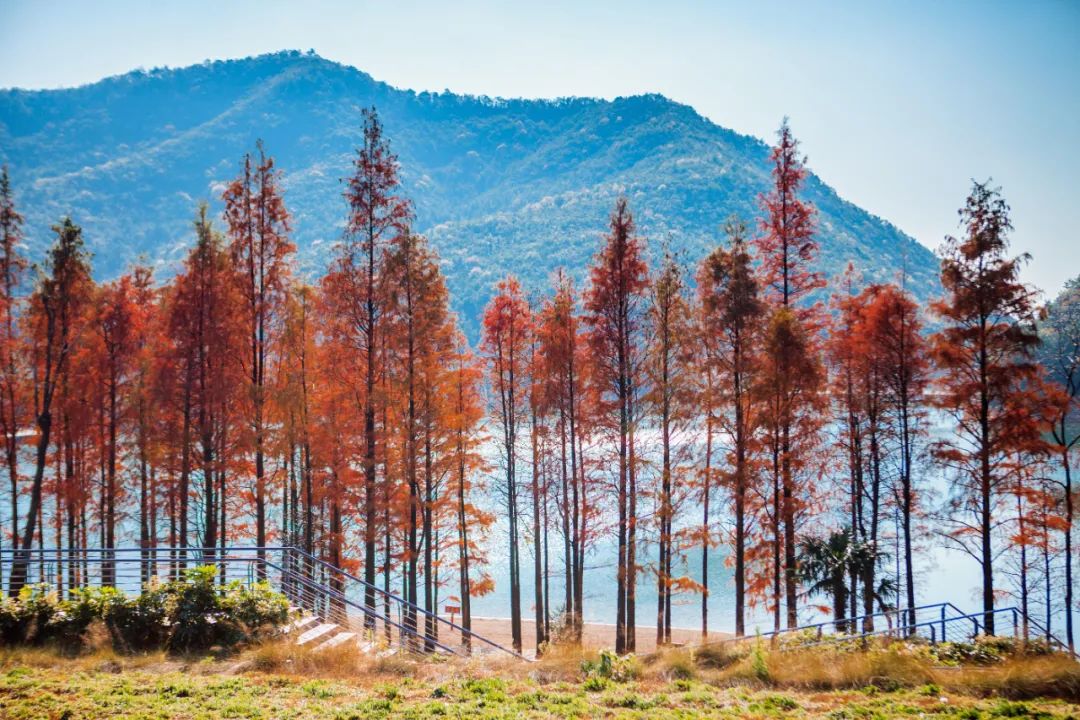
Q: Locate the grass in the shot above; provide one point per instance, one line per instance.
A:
(281, 681)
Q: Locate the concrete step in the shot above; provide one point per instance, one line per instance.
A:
(301, 624)
(339, 639)
(319, 633)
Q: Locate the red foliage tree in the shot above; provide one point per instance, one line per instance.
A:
(984, 354)
(615, 306)
(12, 373)
(55, 307)
(260, 254)
(731, 312)
(356, 296)
(786, 249)
(507, 335)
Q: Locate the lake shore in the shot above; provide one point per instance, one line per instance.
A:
(595, 635)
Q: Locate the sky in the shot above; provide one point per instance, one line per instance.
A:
(899, 105)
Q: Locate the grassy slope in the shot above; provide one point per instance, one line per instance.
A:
(282, 683)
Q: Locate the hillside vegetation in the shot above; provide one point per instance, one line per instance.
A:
(500, 186)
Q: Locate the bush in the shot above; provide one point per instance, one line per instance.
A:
(258, 608)
(611, 667)
(190, 614)
(14, 625)
(198, 613)
(759, 665)
(74, 615)
(719, 655)
(39, 605)
(140, 623)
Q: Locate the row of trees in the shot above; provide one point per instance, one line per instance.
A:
(745, 404)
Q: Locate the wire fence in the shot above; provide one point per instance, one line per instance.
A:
(311, 584)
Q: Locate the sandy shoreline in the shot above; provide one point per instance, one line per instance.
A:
(596, 635)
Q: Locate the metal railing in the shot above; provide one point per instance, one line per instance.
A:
(310, 583)
(934, 623)
(965, 627)
(898, 621)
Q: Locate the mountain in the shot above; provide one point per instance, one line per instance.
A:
(499, 185)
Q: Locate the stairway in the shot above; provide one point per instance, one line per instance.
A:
(318, 634)
(315, 633)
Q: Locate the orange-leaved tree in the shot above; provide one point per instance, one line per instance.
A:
(787, 249)
(615, 304)
(260, 253)
(355, 292)
(507, 335)
(62, 290)
(731, 311)
(984, 355)
(13, 398)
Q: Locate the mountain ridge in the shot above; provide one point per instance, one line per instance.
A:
(499, 184)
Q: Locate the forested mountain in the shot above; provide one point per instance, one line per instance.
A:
(499, 185)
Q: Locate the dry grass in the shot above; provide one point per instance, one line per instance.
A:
(818, 670)
(753, 666)
(883, 668)
(1020, 678)
(278, 679)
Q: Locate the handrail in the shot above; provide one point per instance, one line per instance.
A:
(901, 612)
(406, 603)
(341, 596)
(973, 617)
(176, 554)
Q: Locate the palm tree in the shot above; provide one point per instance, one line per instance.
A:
(824, 564)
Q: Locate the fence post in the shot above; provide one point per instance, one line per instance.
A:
(942, 623)
(933, 635)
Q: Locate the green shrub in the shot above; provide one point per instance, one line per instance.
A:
(190, 614)
(258, 608)
(611, 667)
(197, 612)
(776, 703)
(139, 623)
(986, 650)
(14, 625)
(1017, 709)
(759, 664)
(39, 605)
(73, 616)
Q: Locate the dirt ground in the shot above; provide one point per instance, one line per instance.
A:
(596, 635)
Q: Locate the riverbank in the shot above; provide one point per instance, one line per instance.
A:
(596, 636)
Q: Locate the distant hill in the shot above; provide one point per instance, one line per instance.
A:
(499, 185)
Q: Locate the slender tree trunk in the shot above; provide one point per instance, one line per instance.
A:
(1067, 531)
(706, 492)
(430, 603)
(369, 436)
(538, 595)
(567, 511)
(985, 492)
(463, 537)
(741, 441)
(621, 640)
(790, 563)
(631, 545)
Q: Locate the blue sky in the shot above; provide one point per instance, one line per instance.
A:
(898, 104)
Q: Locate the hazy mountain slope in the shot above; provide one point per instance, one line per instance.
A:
(499, 185)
